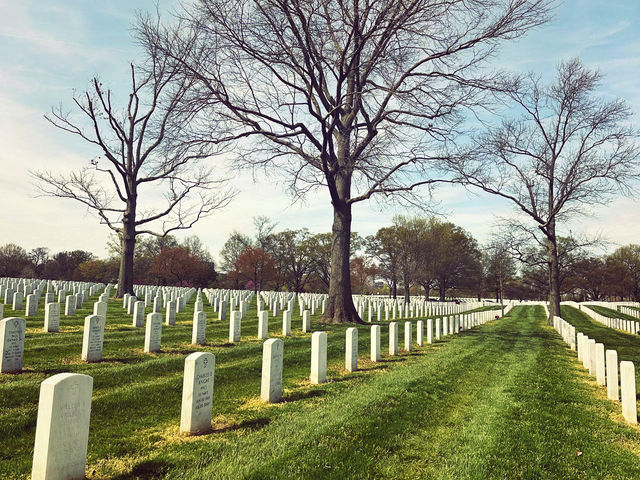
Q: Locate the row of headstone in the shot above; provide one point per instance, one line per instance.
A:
(604, 366)
(623, 324)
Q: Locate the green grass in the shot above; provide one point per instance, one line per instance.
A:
(626, 344)
(505, 400)
(610, 313)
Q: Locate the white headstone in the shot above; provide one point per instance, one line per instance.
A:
(153, 332)
(17, 300)
(438, 328)
(62, 428)
(420, 333)
(612, 375)
(393, 338)
(375, 343)
(52, 317)
(263, 325)
(429, 330)
(272, 361)
(100, 308)
(234, 326)
(138, 313)
(222, 311)
(351, 349)
(32, 305)
(628, 391)
(199, 331)
(70, 305)
(93, 338)
(600, 367)
(286, 323)
(318, 357)
(12, 331)
(197, 392)
(408, 336)
(171, 313)
(306, 321)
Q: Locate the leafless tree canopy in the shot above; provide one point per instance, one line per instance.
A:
(570, 148)
(141, 157)
(361, 97)
(373, 89)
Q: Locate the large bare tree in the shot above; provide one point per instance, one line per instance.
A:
(360, 97)
(148, 177)
(568, 150)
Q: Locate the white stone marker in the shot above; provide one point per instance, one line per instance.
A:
(263, 325)
(429, 330)
(138, 313)
(585, 351)
(93, 338)
(592, 356)
(32, 306)
(17, 301)
(197, 392)
(580, 348)
(420, 333)
(70, 305)
(445, 326)
(438, 327)
(408, 336)
(52, 317)
(318, 357)
(351, 350)
(199, 330)
(375, 343)
(171, 313)
(100, 308)
(286, 323)
(157, 305)
(234, 326)
(612, 375)
(393, 338)
(628, 391)
(222, 311)
(272, 360)
(152, 332)
(306, 321)
(12, 331)
(62, 428)
(600, 367)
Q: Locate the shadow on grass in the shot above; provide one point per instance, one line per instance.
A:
(254, 424)
(147, 470)
(294, 397)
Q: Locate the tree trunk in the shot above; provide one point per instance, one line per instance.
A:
(443, 291)
(407, 291)
(340, 307)
(128, 246)
(554, 273)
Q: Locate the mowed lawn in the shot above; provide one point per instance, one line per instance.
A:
(504, 400)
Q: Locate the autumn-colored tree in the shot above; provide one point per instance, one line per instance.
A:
(362, 276)
(178, 266)
(256, 266)
(103, 271)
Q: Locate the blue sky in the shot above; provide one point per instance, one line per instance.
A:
(48, 48)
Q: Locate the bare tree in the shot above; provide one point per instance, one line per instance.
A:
(145, 152)
(569, 149)
(359, 97)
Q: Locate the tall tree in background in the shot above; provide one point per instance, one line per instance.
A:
(143, 153)
(570, 149)
(499, 267)
(359, 97)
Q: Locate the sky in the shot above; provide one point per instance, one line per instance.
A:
(51, 48)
